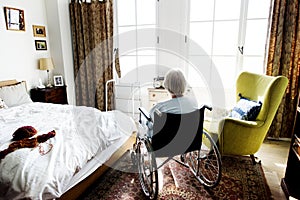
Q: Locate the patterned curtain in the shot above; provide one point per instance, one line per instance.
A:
(283, 59)
(92, 36)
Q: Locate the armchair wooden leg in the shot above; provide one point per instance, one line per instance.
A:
(255, 160)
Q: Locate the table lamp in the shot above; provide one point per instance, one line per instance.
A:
(46, 64)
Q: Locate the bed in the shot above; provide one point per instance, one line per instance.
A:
(85, 144)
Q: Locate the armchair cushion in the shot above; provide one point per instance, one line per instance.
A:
(246, 109)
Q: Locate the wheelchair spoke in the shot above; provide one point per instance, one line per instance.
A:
(202, 156)
(147, 169)
(206, 163)
(209, 170)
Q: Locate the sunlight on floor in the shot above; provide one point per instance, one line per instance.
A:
(283, 166)
(274, 154)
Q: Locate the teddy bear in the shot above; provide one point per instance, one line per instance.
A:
(22, 138)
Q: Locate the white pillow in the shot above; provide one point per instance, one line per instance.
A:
(2, 104)
(15, 95)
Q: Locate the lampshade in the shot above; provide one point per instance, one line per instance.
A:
(46, 64)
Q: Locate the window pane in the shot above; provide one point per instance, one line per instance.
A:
(201, 34)
(169, 59)
(258, 9)
(225, 38)
(128, 69)
(170, 41)
(253, 64)
(226, 69)
(256, 36)
(146, 69)
(146, 52)
(126, 12)
(228, 9)
(127, 40)
(202, 95)
(146, 12)
(199, 71)
(201, 10)
(146, 38)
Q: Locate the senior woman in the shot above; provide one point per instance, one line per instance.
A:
(175, 83)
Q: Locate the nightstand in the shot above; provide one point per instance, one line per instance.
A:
(50, 95)
(157, 95)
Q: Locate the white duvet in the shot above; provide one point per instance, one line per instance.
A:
(80, 133)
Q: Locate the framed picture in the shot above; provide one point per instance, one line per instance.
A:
(58, 80)
(14, 19)
(40, 45)
(39, 31)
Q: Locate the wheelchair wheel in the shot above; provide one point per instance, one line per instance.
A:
(206, 163)
(148, 175)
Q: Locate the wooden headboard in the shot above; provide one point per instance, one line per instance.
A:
(11, 82)
(8, 83)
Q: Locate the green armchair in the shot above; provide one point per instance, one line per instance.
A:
(241, 137)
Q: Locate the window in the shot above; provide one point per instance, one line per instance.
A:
(221, 37)
(137, 58)
(133, 17)
(232, 34)
(256, 35)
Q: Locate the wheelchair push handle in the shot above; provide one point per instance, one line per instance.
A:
(207, 107)
(145, 113)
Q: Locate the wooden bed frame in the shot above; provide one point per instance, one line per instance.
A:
(81, 187)
(8, 83)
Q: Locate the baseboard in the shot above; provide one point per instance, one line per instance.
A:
(279, 139)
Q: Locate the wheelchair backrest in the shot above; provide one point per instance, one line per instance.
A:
(176, 134)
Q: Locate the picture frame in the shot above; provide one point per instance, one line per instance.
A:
(58, 80)
(14, 19)
(39, 31)
(40, 45)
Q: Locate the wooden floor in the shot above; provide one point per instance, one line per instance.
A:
(273, 155)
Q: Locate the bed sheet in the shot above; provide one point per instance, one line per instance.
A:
(81, 132)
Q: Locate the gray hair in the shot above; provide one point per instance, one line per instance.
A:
(175, 82)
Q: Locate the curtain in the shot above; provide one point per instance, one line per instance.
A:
(92, 36)
(283, 59)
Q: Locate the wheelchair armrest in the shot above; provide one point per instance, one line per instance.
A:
(145, 113)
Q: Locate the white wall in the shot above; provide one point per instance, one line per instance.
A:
(61, 42)
(18, 56)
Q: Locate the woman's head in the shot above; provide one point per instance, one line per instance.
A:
(175, 82)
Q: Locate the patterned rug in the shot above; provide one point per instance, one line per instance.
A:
(240, 180)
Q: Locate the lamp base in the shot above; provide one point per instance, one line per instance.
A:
(49, 81)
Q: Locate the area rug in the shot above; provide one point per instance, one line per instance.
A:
(240, 180)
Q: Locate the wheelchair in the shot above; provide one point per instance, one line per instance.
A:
(178, 137)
